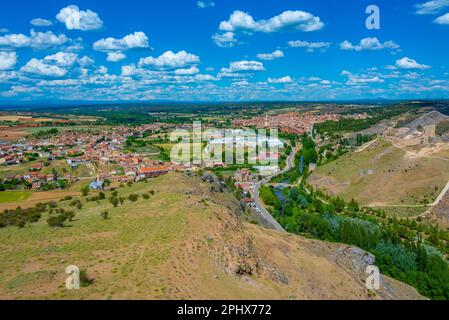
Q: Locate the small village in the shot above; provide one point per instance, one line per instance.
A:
(293, 122)
(104, 156)
(93, 149)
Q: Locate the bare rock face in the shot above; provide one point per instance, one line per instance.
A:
(216, 184)
(357, 260)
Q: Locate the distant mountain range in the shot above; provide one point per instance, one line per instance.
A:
(12, 105)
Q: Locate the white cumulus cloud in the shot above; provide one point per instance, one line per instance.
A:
(243, 22)
(39, 67)
(369, 44)
(286, 79)
(189, 71)
(407, 63)
(431, 7)
(86, 61)
(62, 59)
(76, 19)
(36, 40)
(224, 40)
(115, 56)
(311, 46)
(205, 4)
(55, 65)
(271, 56)
(444, 19)
(137, 40)
(244, 65)
(169, 59)
(102, 70)
(7, 60)
(299, 20)
(361, 79)
(39, 22)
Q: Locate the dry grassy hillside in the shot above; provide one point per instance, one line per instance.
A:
(385, 175)
(185, 242)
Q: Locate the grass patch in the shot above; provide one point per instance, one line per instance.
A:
(403, 212)
(14, 196)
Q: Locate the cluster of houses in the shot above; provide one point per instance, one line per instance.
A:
(36, 178)
(13, 153)
(82, 148)
(244, 179)
(291, 122)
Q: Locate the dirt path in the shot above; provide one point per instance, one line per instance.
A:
(437, 200)
(366, 145)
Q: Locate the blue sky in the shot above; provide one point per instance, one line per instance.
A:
(222, 50)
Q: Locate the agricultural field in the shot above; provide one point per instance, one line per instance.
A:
(28, 199)
(24, 118)
(13, 133)
(384, 175)
(14, 196)
(32, 130)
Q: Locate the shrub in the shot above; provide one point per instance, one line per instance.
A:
(105, 214)
(20, 217)
(70, 215)
(57, 221)
(146, 196)
(133, 197)
(114, 201)
(76, 203)
(85, 280)
(85, 190)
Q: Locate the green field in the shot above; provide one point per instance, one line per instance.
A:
(403, 212)
(14, 196)
(69, 128)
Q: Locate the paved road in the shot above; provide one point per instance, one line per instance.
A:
(260, 207)
(263, 212)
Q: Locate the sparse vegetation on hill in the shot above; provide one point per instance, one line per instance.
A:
(383, 175)
(180, 243)
(20, 217)
(442, 127)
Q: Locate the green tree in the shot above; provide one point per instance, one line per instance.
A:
(85, 190)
